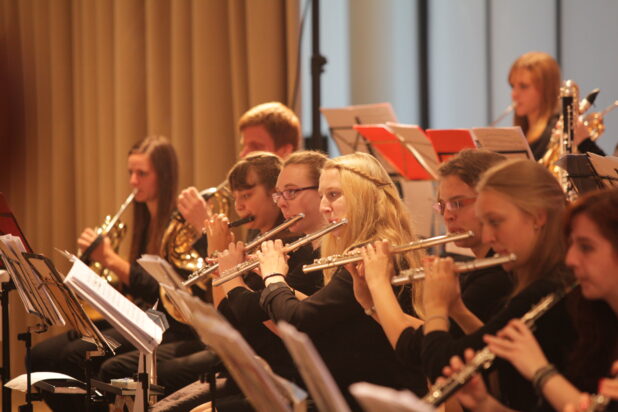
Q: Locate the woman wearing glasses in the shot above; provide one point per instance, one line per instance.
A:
(353, 346)
(295, 192)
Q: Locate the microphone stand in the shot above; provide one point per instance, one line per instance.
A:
(318, 142)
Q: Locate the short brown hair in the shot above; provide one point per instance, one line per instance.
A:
(314, 161)
(266, 166)
(279, 121)
(470, 164)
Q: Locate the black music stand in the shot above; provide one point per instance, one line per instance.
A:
(589, 172)
(43, 294)
(8, 225)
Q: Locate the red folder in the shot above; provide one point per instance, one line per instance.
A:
(394, 151)
(450, 142)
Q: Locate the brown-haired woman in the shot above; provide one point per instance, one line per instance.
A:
(153, 173)
(592, 228)
(521, 206)
(535, 87)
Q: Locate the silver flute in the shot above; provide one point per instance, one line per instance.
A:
(254, 263)
(599, 402)
(355, 256)
(410, 275)
(439, 393)
(204, 272)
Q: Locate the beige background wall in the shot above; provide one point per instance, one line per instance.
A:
(82, 80)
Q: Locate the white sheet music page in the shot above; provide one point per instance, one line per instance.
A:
(510, 141)
(161, 270)
(374, 398)
(606, 167)
(419, 144)
(124, 315)
(342, 119)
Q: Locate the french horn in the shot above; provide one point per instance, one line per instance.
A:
(179, 237)
(114, 229)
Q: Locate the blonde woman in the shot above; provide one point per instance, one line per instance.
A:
(352, 344)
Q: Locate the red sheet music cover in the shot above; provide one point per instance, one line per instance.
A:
(390, 147)
(449, 142)
(9, 225)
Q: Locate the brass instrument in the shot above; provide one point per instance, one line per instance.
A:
(594, 121)
(254, 263)
(204, 272)
(115, 230)
(410, 275)
(355, 255)
(439, 393)
(179, 237)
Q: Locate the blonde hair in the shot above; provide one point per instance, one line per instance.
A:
(545, 74)
(374, 211)
(533, 189)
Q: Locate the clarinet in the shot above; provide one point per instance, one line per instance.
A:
(439, 393)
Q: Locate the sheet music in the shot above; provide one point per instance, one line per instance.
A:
(606, 167)
(320, 382)
(12, 265)
(509, 141)
(238, 357)
(419, 144)
(123, 314)
(340, 121)
(161, 270)
(374, 398)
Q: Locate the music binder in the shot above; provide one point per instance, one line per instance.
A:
(133, 323)
(266, 391)
(320, 382)
(405, 147)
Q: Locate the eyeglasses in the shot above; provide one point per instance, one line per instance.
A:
(290, 194)
(452, 205)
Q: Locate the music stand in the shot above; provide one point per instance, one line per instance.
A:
(341, 122)
(588, 172)
(8, 225)
(319, 381)
(40, 288)
(135, 325)
(266, 391)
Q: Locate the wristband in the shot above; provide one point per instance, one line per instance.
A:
(272, 275)
(541, 376)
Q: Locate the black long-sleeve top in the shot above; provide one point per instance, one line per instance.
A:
(352, 345)
(242, 309)
(539, 146)
(553, 331)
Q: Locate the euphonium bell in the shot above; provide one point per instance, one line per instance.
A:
(180, 236)
(594, 121)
